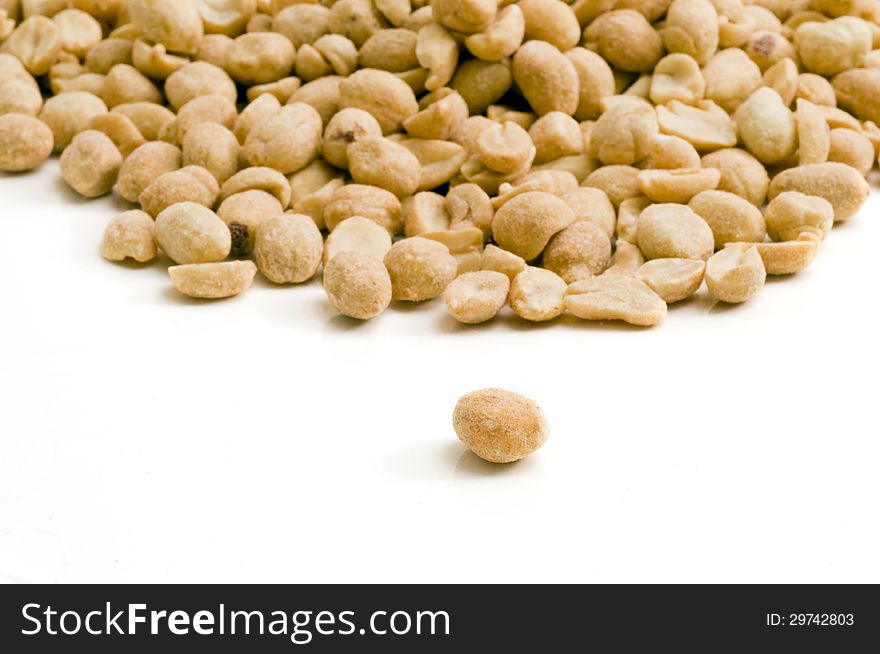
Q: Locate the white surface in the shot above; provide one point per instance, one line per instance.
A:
(146, 437)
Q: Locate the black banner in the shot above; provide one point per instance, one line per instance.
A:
(515, 618)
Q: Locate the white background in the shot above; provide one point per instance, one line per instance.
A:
(150, 438)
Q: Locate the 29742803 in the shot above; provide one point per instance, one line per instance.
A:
(810, 620)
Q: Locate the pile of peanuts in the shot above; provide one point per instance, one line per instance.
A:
(600, 158)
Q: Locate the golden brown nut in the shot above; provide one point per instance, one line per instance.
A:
(499, 426)
(91, 163)
(420, 269)
(378, 92)
(25, 143)
(626, 40)
(537, 295)
(131, 234)
(615, 297)
(841, 185)
(213, 281)
(288, 248)
(547, 79)
(190, 233)
(358, 285)
(674, 231)
(477, 297)
(525, 224)
(579, 251)
(735, 273)
(731, 218)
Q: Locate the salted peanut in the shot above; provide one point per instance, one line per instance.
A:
(130, 235)
(816, 89)
(677, 185)
(505, 148)
(302, 23)
(288, 248)
(782, 78)
(196, 79)
(18, 97)
(537, 295)
(673, 280)
(641, 88)
(625, 132)
(259, 22)
(244, 213)
(355, 19)
(627, 226)
(852, 148)
(91, 163)
(591, 205)
(154, 60)
(839, 118)
(191, 233)
(321, 94)
(213, 147)
(205, 109)
(556, 182)
(144, 165)
(482, 83)
(857, 92)
(228, 17)
(763, 18)
(595, 82)
(525, 224)
(79, 31)
(477, 297)
(176, 25)
(627, 260)
(388, 99)
(345, 128)
(501, 113)
(705, 126)
(260, 58)
(465, 244)
(833, 47)
(467, 205)
(121, 130)
(677, 77)
(70, 113)
(331, 53)
(671, 152)
(547, 79)
(814, 137)
(730, 217)
(311, 188)
(467, 16)
(789, 257)
(499, 426)
(441, 114)
(731, 77)
(36, 42)
(765, 48)
(548, 20)
(192, 184)
(258, 178)
(148, 118)
(615, 297)
(617, 182)
(501, 38)
(767, 127)
(674, 231)
(213, 281)
(578, 252)
(357, 234)
(288, 141)
(626, 40)
(377, 161)
(437, 52)
(439, 161)
(12, 68)
(420, 269)
(376, 204)
(25, 143)
(125, 84)
(842, 185)
(793, 213)
(691, 28)
(259, 111)
(357, 284)
(736, 273)
(89, 82)
(420, 16)
(502, 261)
(281, 89)
(741, 174)
(213, 49)
(424, 212)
